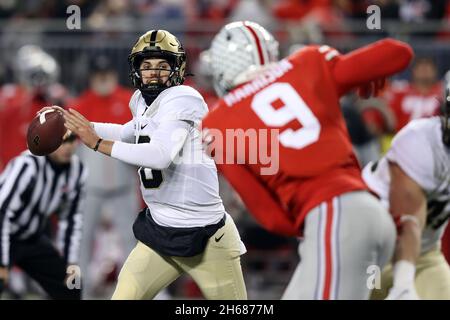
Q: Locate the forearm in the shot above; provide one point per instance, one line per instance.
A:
(381, 59)
(407, 252)
(407, 203)
(408, 242)
(108, 131)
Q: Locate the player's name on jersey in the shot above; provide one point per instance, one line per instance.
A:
(267, 77)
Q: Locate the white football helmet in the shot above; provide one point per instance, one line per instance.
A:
(238, 48)
(35, 67)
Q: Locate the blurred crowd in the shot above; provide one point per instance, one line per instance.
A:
(98, 10)
(34, 79)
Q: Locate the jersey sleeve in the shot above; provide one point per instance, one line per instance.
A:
(183, 103)
(413, 153)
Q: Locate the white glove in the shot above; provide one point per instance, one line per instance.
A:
(405, 293)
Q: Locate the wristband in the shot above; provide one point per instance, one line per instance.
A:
(97, 144)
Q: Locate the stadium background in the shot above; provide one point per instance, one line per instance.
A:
(110, 27)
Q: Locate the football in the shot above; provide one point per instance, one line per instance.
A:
(45, 132)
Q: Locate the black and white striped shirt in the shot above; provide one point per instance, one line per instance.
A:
(31, 189)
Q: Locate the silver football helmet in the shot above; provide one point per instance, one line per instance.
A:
(238, 48)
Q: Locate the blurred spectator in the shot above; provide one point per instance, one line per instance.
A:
(36, 73)
(162, 10)
(389, 9)
(214, 9)
(254, 10)
(420, 98)
(58, 8)
(298, 9)
(421, 10)
(112, 14)
(318, 18)
(111, 185)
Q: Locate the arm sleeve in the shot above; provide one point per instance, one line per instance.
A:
(165, 144)
(381, 59)
(71, 221)
(258, 200)
(13, 182)
(115, 132)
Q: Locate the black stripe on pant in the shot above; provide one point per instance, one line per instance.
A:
(41, 261)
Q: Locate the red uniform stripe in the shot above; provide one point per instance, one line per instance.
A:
(258, 44)
(328, 253)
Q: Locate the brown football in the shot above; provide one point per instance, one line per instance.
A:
(45, 132)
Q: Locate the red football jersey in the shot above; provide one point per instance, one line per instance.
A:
(316, 159)
(299, 96)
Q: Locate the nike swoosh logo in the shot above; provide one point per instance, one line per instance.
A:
(142, 127)
(218, 239)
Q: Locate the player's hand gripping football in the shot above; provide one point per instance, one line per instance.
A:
(80, 126)
(405, 293)
(68, 132)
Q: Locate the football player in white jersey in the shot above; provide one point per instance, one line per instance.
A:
(413, 180)
(185, 228)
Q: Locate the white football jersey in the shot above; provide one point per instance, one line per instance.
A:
(418, 149)
(186, 194)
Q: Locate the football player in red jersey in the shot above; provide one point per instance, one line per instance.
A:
(313, 187)
(421, 98)
(36, 73)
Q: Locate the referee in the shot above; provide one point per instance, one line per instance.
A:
(31, 189)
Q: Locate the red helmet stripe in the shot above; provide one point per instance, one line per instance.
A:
(258, 44)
